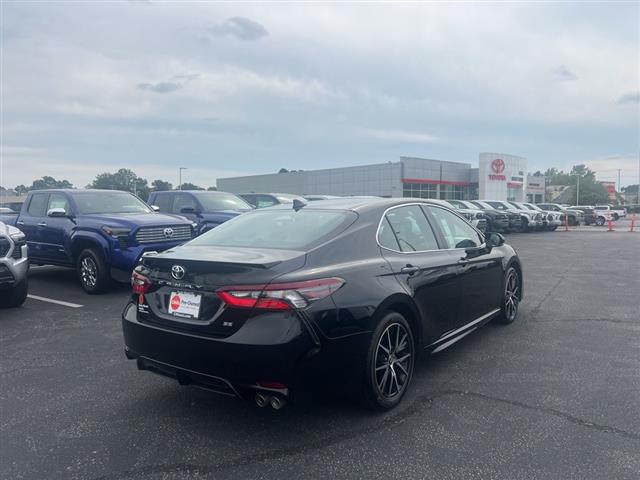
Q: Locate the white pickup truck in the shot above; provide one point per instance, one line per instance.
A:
(615, 212)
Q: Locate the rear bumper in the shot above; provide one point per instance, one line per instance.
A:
(284, 352)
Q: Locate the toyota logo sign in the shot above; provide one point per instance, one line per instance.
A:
(497, 165)
(177, 272)
(168, 232)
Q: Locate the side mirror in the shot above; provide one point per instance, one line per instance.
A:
(57, 212)
(155, 208)
(495, 239)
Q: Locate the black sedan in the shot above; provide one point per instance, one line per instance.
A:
(333, 295)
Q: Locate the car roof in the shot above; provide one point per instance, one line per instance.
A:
(359, 204)
(77, 190)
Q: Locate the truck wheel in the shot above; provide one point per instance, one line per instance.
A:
(616, 217)
(524, 226)
(16, 296)
(600, 221)
(92, 271)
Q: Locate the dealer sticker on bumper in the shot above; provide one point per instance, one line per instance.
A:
(184, 304)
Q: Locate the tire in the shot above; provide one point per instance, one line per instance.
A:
(16, 296)
(524, 226)
(511, 297)
(615, 217)
(92, 271)
(600, 221)
(387, 376)
(552, 229)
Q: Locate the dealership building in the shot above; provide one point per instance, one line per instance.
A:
(498, 176)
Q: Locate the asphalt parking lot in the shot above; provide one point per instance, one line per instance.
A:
(555, 395)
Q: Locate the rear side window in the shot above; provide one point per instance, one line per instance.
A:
(411, 229)
(38, 204)
(457, 232)
(163, 202)
(183, 200)
(386, 237)
(278, 229)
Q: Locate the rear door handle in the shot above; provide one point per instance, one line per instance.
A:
(20, 222)
(42, 224)
(409, 269)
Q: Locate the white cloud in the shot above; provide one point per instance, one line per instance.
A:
(398, 135)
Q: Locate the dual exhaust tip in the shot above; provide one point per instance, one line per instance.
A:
(276, 402)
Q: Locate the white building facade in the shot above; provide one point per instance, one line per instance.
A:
(502, 177)
(499, 177)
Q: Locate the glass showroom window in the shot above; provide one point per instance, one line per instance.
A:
(420, 190)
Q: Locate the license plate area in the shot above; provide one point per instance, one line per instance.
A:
(184, 304)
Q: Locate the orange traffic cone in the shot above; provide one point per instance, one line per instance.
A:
(633, 222)
(610, 225)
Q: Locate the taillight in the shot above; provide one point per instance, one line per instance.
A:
(140, 283)
(279, 296)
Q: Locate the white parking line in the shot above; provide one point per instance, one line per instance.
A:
(57, 302)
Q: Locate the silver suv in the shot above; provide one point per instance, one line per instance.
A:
(14, 266)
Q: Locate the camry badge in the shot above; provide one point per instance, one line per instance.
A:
(177, 272)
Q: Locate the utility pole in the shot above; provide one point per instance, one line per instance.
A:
(578, 191)
(180, 177)
(619, 186)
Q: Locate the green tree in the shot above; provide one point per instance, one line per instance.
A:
(21, 189)
(49, 182)
(212, 188)
(124, 179)
(160, 186)
(591, 192)
(190, 186)
(283, 170)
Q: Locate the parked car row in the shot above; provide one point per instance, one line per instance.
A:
(104, 233)
(585, 214)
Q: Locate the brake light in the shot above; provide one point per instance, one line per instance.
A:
(140, 283)
(279, 296)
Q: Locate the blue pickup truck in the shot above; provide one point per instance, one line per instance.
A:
(206, 209)
(100, 233)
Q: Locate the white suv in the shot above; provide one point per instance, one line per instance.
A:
(14, 266)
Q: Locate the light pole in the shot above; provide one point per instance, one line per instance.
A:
(180, 177)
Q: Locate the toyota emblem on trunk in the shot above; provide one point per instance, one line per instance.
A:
(177, 272)
(168, 232)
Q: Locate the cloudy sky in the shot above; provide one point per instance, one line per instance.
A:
(228, 89)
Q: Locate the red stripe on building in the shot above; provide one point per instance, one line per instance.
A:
(433, 182)
(514, 185)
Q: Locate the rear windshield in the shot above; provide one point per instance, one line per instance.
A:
(281, 229)
(498, 205)
(109, 202)
(221, 201)
(287, 197)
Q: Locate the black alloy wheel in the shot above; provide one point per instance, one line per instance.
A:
(92, 271)
(511, 300)
(390, 363)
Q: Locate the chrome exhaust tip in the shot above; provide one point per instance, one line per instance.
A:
(262, 400)
(278, 403)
